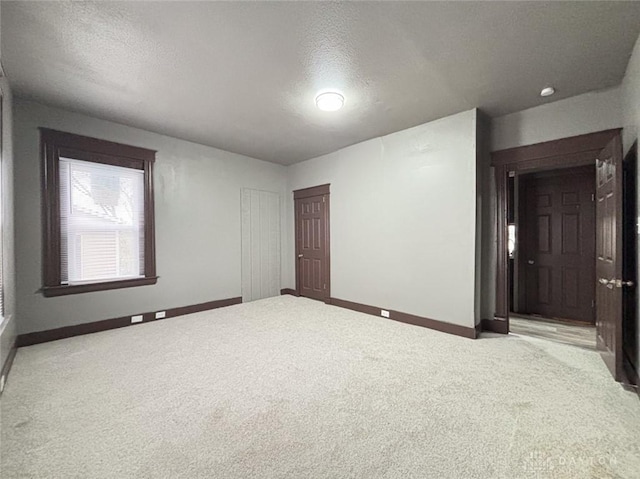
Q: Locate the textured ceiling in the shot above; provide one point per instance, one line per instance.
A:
(242, 76)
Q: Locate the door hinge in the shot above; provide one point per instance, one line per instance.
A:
(593, 197)
(323, 199)
(325, 285)
(593, 303)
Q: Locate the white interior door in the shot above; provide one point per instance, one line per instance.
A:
(260, 244)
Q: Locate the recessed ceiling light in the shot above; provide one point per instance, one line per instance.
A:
(547, 91)
(330, 101)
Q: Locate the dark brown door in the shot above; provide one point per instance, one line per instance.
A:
(629, 264)
(312, 243)
(557, 238)
(609, 176)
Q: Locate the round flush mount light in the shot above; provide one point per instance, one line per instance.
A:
(330, 101)
(547, 91)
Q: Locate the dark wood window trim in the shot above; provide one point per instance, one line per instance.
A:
(2, 214)
(55, 144)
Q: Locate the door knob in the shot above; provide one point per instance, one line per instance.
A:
(531, 261)
(609, 283)
(300, 255)
(618, 283)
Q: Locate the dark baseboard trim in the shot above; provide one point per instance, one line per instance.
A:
(196, 308)
(6, 367)
(495, 326)
(407, 318)
(289, 291)
(104, 325)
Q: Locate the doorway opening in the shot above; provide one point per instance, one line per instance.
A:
(552, 236)
(615, 281)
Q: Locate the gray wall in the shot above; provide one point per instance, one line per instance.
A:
(403, 219)
(388, 189)
(631, 104)
(198, 217)
(587, 113)
(631, 99)
(486, 244)
(8, 328)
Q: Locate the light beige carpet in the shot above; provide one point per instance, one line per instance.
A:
(292, 388)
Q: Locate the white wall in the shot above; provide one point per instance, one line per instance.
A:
(8, 328)
(631, 99)
(578, 115)
(403, 219)
(198, 217)
(486, 231)
(631, 131)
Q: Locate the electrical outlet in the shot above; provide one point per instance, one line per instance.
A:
(136, 319)
(161, 314)
(384, 313)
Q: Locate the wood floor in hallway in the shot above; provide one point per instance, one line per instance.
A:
(575, 334)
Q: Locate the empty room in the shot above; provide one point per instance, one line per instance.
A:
(317, 239)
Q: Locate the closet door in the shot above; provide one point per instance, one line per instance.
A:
(260, 244)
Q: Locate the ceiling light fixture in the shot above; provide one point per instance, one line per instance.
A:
(330, 101)
(547, 91)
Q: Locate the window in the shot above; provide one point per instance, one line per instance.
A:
(511, 240)
(98, 214)
(101, 222)
(1, 210)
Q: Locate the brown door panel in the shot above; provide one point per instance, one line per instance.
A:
(312, 246)
(557, 246)
(609, 184)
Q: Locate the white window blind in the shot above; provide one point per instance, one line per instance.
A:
(101, 222)
(1, 227)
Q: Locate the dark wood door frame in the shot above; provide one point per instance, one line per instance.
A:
(630, 271)
(565, 153)
(320, 190)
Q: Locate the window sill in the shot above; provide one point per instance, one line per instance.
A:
(50, 291)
